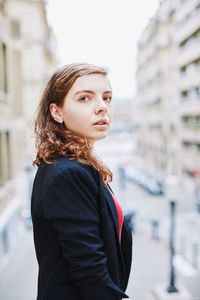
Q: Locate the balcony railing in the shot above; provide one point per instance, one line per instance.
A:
(189, 52)
(187, 26)
(192, 71)
(191, 136)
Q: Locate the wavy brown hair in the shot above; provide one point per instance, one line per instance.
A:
(53, 139)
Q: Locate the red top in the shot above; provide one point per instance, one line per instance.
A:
(119, 213)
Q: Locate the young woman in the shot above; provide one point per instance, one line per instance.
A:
(83, 245)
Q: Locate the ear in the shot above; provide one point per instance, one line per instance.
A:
(55, 112)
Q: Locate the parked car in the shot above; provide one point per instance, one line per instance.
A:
(145, 180)
(154, 187)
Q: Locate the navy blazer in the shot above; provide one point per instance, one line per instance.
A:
(76, 237)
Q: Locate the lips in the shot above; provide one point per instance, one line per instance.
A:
(101, 122)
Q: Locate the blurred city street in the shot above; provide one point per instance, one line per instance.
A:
(150, 265)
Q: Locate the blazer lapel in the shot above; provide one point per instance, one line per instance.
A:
(106, 195)
(114, 215)
(112, 209)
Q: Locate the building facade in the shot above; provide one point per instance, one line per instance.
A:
(122, 114)
(155, 78)
(168, 94)
(27, 57)
(168, 114)
(187, 38)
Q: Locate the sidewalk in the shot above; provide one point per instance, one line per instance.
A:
(151, 258)
(18, 279)
(149, 266)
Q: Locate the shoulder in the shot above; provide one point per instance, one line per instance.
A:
(65, 164)
(68, 169)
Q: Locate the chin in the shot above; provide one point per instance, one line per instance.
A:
(103, 136)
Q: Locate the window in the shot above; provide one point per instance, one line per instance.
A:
(15, 28)
(1, 161)
(184, 94)
(191, 122)
(197, 91)
(3, 71)
(2, 7)
(5, 157)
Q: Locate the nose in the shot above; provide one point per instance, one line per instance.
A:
(100, 106)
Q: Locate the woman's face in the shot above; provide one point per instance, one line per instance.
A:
(87, 107)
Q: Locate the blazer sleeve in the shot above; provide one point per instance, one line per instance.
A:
(71, 204)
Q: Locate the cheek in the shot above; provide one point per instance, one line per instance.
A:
(110, 111)
(75, 118)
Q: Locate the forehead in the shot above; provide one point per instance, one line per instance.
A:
(93, 82)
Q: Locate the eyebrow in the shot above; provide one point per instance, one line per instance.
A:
(92, 92)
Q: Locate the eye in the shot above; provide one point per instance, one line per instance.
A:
(107, 99)
(84, 99)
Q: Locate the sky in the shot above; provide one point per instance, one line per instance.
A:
(103, 32)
